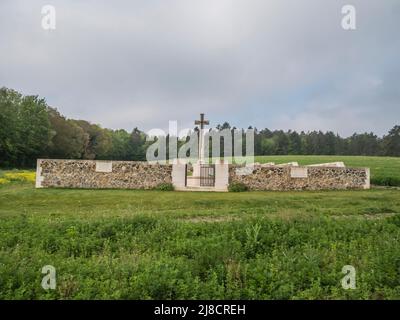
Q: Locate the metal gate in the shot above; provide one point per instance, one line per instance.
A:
(207, 175)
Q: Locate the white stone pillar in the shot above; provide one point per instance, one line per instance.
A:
(200, 161)
(367, 184)
(201, 147)
(178, 176)
(221, 176)
(39, 178)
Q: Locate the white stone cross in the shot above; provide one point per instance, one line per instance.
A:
(202, 123)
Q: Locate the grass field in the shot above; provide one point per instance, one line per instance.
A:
(123, 244)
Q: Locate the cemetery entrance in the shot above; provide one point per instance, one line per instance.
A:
(207, 175)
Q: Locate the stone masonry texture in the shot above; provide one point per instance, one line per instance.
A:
(143, 175)
(82, 174)
(319, 178)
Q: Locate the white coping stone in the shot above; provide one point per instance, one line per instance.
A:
(244, 171)
(338, 164)
(268, 164)
(103, 166)
(289, 164)
(299, 172)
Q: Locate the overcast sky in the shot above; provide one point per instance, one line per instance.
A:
(284, 64)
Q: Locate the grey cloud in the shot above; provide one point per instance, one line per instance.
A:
(278, 64)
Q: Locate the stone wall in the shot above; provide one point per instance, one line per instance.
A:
(282, 178)
(101, 174)
(143, 175)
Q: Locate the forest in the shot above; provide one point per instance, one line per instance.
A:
(31, 129)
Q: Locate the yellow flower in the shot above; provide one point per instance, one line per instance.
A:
(3, 181)
(28, 176)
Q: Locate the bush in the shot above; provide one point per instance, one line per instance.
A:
(165, 187)
(386, 181)
(237, 187)
(3, 181)
(24, 176)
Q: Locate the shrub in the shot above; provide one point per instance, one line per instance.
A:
(386, 181)
(237, 187)
(165, 187)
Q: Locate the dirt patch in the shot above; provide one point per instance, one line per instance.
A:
(375, 216)
(211, 219)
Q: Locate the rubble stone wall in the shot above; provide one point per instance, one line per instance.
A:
(143, 175)
(316, 178)
(101, 174)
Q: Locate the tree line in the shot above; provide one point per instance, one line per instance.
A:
(30, 129)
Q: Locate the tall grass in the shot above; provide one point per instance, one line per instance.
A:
(122, 244)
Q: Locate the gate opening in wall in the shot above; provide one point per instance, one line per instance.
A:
(207, 175)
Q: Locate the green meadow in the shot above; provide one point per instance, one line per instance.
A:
(124, 244)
